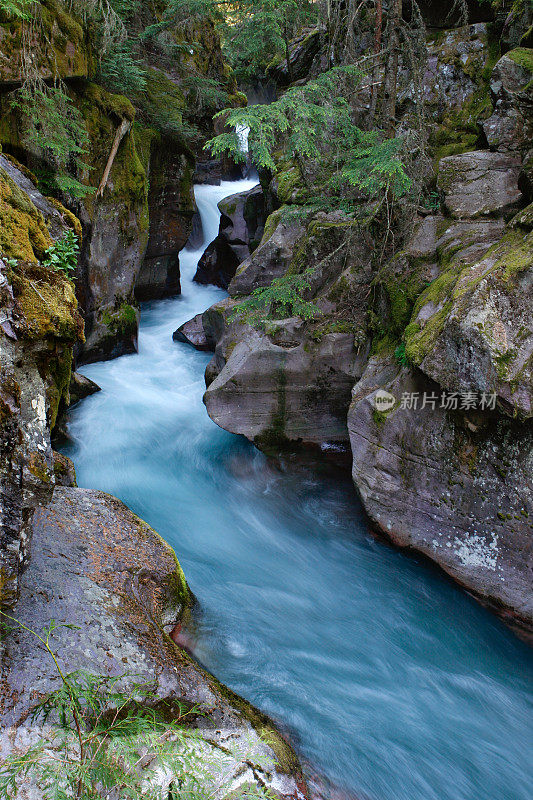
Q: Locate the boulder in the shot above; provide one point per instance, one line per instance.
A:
(480, 184)
(242, 221)
(97, 567)
(192, 332)
(81, 387)
(304, 49)
(271, 259)
(472, 329)
(510, 128)
(282, 387)
(452, 485)
(276, 378)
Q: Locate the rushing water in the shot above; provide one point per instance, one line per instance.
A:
(394, 683)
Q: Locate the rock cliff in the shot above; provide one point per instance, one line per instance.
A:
(440, 326)
(136, 206)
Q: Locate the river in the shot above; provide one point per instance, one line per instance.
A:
(394, 683)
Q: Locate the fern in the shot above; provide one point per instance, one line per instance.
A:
(15, 9)
(281, 299)
(120, 71)
(62, 256)
(103, 739)
(55, 128)
(313, 123)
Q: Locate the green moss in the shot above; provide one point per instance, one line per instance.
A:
(23, 232)
(523, 56)
(513, 254)
(59, 370)
(68, 217)
(121, 322)
(271, 224)
(459, 131)
(127, 188)
(419, 341)
(379, 417)
(46, 303)
(290, 185)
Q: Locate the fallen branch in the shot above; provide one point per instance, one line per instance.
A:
(122, 130)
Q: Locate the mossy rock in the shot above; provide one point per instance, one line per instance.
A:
(122, 322)
(45, 303)
(127, 188)
(59, 45)
(23, 231)
(68, 218)
(523, 56)
(502, 263)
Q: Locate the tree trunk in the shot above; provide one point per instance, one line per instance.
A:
(122, 130)
(391, 77)
(377, 50)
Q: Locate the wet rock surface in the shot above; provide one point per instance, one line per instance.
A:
(192, 332)
(242, 221)
(81, 387)
(452, 486)
(96, 565)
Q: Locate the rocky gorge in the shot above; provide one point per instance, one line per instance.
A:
(447, 316)
(440, 321)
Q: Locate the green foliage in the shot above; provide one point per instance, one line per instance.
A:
(258, 31)
(62, 256)
(104, 739)
(55, 128)
(183, 13)
(120, 72)
(281, 299)
(314, 122)
(401, 356)
(202, 93)
(15, 9)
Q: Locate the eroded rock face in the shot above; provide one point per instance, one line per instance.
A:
(39, 325)
(480, 184)
(281, 387)
(454, 486)
(96, 565)
(242, 221)
(286, 380)
(171, 208)
(192, 332)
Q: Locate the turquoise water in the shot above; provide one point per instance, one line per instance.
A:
(393, 682)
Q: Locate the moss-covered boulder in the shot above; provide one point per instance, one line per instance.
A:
(510, 127)
(473, 329)
(280, 379)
